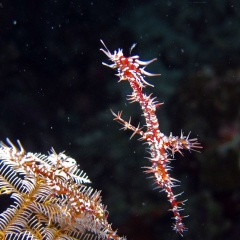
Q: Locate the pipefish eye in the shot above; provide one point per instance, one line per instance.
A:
(70, 161)
(62, 157)
(67, 162)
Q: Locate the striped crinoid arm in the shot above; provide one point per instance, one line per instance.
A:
(160, 146)
(51, 199)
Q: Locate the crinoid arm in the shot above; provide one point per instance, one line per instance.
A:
(51, 199)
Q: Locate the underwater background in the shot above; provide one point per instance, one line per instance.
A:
(55, 92)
